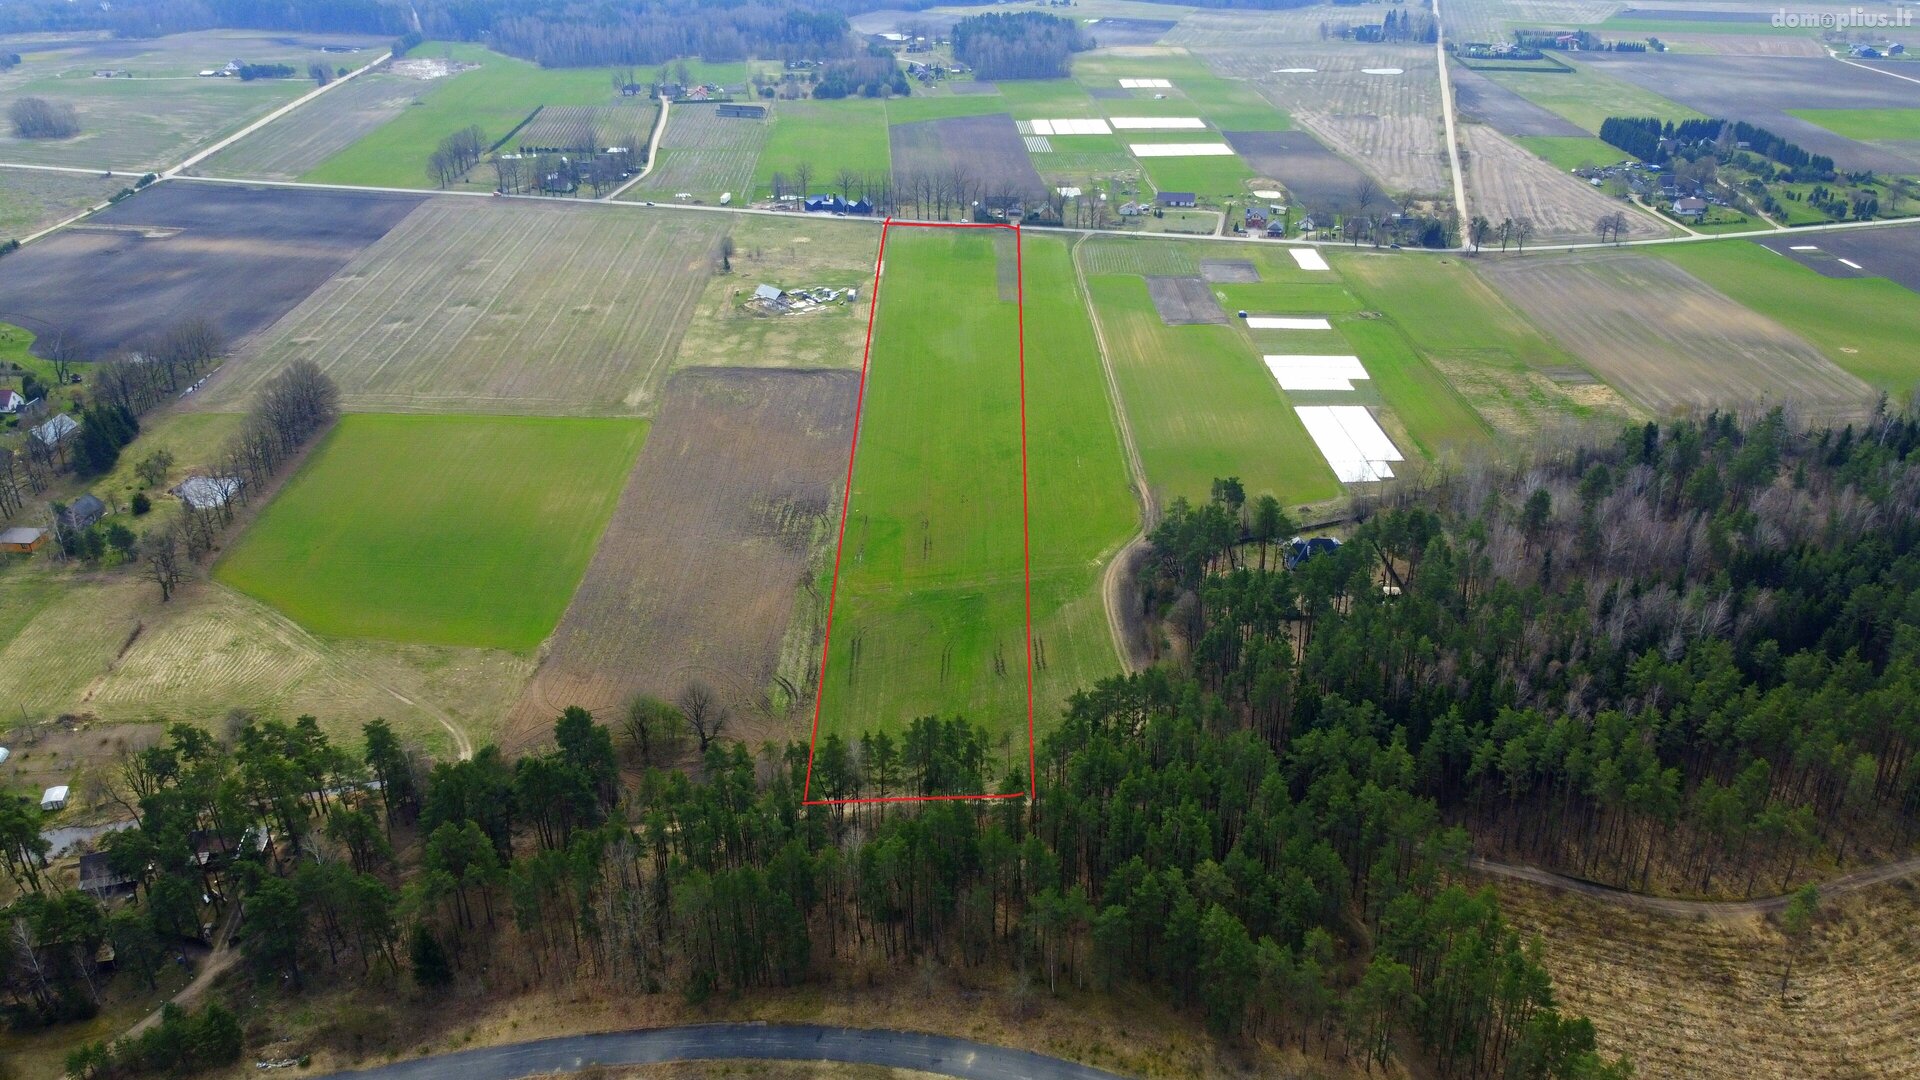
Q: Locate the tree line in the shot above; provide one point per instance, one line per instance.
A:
(289, 410)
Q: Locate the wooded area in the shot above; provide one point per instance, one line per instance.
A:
(1680, 659)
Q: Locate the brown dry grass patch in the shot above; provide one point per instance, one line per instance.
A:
(1701, 999)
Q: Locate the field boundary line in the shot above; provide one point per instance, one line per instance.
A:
(846, 500)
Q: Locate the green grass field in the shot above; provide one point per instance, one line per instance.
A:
(829, 136)
(1201, 402)
(1866, 125)
(1451, 354)
(498, 95)
(1588, 97)
(450, 530)
(929, 617)
(1570, 152)
(1867, 326)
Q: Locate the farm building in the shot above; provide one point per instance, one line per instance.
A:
(1175, 198)
(85, 510)
(768, 293)
(10, 402)
(207, 492)
(21, 540)
(54, 798)
(98, 879)
(56, 430)
(4, 755)
(741, 112)
(834, 204)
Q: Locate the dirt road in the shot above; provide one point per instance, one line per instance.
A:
(1852, 881)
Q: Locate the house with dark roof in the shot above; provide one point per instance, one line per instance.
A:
(98, 879)
(84, 511)
(10, 401)
(1300, 549)
(1175, 198)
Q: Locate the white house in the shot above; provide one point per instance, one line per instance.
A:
(10, 401)
(55, 798)
(4, 755)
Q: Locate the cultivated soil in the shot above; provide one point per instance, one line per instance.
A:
(499, 306)
(1759, 90)
(1889, 253)
(238, 256)
(987, 148)
(1185, 301)
(750, 463)
(1506, 181)
(1668, 341)
(1480, 98)
(1319, 180)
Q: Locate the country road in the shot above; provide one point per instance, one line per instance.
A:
(1853, 881)
(936, 1054)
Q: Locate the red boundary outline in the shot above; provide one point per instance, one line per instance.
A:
(846, 498)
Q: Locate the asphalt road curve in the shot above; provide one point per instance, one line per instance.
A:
(765, 1042)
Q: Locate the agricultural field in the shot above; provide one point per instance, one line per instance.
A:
(988, 147)
(929, 617)
(1761, 90)
(721, 591)
(298, 142)
(1199, 400)
(1568, 153)
(705, 155)
(829, 136)
(1506, 369)
(1866, 325)
(159, 111)
(237, 256)
(1386, 122)
(1316, 179)
(1479, 98)
(1866, 125)
(1589, 95)
(32, 200)
(442, 530)
(499, 306)
(1695, 348)
(815, 251)
(586, 127)
(1505, 181)
(497, 95)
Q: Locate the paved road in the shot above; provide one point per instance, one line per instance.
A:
(1698, 909)
(761, 1042)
